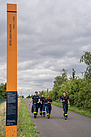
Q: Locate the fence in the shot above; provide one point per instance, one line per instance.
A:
(2, 100)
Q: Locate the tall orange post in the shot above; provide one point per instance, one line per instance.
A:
(11, 91)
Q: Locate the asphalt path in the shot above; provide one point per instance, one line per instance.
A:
(76, 125)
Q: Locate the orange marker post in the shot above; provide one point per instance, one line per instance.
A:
(11, 91)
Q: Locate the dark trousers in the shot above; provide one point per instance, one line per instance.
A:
(35, 108)
(65, 109)
(42, 109)
(48, 110)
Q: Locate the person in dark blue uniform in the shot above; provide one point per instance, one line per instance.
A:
(65, 101)
(35, 100)
(48, 102)
(42, 105)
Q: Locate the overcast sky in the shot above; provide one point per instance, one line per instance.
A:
(52, 35)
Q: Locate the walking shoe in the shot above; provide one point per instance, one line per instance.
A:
(65, 118)
(48, 117)
(34, 116)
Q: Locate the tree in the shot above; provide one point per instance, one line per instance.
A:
(86, 58)
(3, 90)
(73, 73)
(22, 96)
(64, 75)
(60, 79)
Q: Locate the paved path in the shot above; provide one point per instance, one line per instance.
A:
(77, 125)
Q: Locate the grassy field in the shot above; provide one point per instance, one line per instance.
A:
(75, 109)
(2, 118)
(25, 124)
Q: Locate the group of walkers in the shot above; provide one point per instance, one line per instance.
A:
(42, 103)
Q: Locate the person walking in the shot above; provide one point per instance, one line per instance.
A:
(65, 101)
(42, 105)
(35, 100)
(48, 102)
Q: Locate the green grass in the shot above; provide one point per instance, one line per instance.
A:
(25, 124)
(75, 109)
(2, 118)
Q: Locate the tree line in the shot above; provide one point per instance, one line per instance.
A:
(78, 89)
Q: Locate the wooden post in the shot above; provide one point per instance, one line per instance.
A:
(11, 91)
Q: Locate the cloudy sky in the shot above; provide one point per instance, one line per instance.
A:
(52, 35)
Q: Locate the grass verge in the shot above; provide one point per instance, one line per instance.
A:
(2, 118)
(25, 124)
(75, 109)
